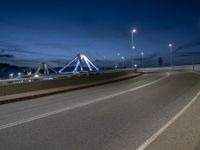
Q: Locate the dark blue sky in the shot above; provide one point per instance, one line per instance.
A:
(32, 31)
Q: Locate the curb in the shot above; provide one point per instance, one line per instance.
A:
(48, 92)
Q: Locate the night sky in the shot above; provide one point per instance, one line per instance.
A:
(55, 31)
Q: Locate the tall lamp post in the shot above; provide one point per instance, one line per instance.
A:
(123, 61)
(104, 62)
(171, 53)
(132, 44)
(11, 75)
(118, 55)
(142, 54)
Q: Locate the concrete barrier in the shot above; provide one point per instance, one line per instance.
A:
(160, 69)
(76, 81)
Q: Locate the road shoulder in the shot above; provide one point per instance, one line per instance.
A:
(183, 134)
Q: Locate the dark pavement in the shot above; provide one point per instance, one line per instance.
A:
(116, 116)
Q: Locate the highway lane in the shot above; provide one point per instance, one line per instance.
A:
(119, 121)
(27, 109)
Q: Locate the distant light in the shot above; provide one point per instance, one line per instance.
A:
(50, 78)
(134, 31)
(19, 73)
(29, 73)
(11, 75)
(122, 57)
(142, 53)
(170, 45)
(135, 65)
(133, 47)
(36, 76)
(118, 54)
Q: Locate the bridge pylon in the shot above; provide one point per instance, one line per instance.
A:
(81, 63)
(45, 69)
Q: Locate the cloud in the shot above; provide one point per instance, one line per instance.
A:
(34, 62)
(6, 56)
(18, 51)
(13, 38)
(11, 47)
(188, 45)
(14, 24)
(198, 24)
(63, 46)
(73, 48)
(108, 31)
(23, 62)
(148, 57)
(187, 54)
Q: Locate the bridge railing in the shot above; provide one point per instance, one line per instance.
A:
(157, 69)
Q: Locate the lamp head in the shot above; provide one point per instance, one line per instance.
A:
(134, 30)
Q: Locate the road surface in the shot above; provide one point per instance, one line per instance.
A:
(156, 111)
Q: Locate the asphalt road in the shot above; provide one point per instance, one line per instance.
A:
(124, 115)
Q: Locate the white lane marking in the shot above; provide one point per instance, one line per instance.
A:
(163, 128)
(78, 105)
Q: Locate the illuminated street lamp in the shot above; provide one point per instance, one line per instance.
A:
(123, 60)
(171, 52)
(11, 75)
(135, 65)
(118, 54)
(142, 54)
(19, 74)
(29, 73)
(36, 76)
(104, 60)
(132, 43)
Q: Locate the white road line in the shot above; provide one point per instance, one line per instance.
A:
(163, 128)
(78, 105)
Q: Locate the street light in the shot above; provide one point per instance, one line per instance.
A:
(171, 48)
(118, 54)
(19, 74)
(36, 76)
(132, 43)
(104, 60)
(123, 60)
(11, 75)
(135, 65)
(142, 54)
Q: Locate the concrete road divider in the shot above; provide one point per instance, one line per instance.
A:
(12, 92)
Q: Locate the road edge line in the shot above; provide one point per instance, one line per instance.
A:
(79, 105)
(167, 125)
